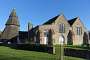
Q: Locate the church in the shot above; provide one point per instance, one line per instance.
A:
(57, 30)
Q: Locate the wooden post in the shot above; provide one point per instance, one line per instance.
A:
(62, 52)
(62, 49)
(54, 49)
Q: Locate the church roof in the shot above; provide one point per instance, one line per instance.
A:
(71, 21)
(51, 20)
(13, 19)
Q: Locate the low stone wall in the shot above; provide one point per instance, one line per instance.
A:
(77, 53)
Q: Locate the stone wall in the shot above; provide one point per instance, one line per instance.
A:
(78, 38)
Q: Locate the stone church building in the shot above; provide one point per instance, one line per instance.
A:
(57, 30)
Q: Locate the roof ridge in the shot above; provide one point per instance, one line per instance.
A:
(51, 20)
(71, 21)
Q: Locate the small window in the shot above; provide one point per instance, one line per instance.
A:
(62, 28)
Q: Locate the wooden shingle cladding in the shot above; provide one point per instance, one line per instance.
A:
(13, 19)
(12, 27)
(9, 32)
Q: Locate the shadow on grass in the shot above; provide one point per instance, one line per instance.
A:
(47, 49)
(3, 57)
(30, 47)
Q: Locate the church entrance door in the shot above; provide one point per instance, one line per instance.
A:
(61, 40)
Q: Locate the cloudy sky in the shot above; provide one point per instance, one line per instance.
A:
(39, 11)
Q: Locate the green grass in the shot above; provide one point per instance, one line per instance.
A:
(72, 58)
(7, 53)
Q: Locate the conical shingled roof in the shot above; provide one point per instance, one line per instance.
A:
(13, 19)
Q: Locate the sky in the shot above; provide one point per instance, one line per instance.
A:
(40, 11)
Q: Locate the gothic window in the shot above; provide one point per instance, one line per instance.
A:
(62, 28)
(79, 30)
(46, 35)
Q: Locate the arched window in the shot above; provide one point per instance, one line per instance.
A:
(46, 36)
(62, 28)
(46, 33)
(79, 30)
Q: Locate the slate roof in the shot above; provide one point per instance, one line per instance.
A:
(13, 19)
(71, 21)
(23, 34)
(51, 20)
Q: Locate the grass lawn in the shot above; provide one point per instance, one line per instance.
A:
(7, 53)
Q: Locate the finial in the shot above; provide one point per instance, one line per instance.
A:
(13, 12)
(61, 13)
(78, 17)
(13, 9)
